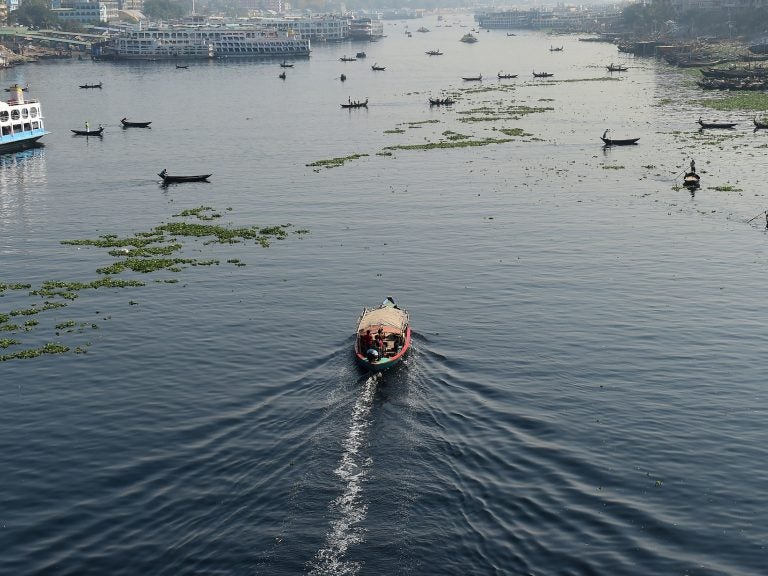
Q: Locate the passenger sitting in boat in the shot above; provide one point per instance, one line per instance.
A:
(366, 340)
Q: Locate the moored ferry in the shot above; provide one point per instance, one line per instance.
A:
(21, 121)
(194, 42)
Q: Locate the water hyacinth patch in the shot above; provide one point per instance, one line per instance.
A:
(144, 252)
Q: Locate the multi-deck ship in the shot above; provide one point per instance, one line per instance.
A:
(21, 121)
(200, 42)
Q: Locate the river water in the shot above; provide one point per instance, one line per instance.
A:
(585, 393)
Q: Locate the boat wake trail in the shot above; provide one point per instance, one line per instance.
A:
(348, 510)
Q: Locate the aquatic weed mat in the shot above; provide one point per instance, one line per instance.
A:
(28, 326)
(480, 106)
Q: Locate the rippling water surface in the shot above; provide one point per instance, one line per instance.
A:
(585, 394)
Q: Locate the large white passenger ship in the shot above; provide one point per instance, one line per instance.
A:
(200, 42)
(21, 121)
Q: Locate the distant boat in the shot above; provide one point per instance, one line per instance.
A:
(441, 101)
(542, 75)
(551, 49)
(378, 68)
(91, 85)
(423, 29)
(361, 55)
(468, 38)
(511, 34)
(616, 68)
(434, 52)
(281, 75)
(356, 104)
(88, 132)
(127, 124)
(502, 76)
(284, 64)
(168, 179)
(477, 78)
(347, 59)
(180, 67)
(617, 141)
(759, 125)
(716, 124)
(343, 77)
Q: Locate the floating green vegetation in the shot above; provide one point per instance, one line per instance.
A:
(6, 342)
(395, 131)
(454, 144)
(546, 100)
(612, 167)
(492, 88)
(4, 287)
(665, 101)
(519, 132)
(737, 100)
(420, 122)
(450, 135)
(200, 212)
(725, 188)
(144, 252)
(383, 153)
(335, 162)
(488, 114)
(50, 348)
(598, 79)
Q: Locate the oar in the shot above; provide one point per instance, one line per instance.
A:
(761, 213)
(678, 176)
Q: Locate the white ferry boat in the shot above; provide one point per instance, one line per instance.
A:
(190, 42)
(21, 121)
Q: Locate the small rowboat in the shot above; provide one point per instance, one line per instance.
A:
(691, 180)
(383, 336)
(91, 85)
(180, 67)
(97, 132)
(542, 75)
(378, 68)
(716, 124)
(127, 124)
(505, 76)
(616, 68)
(355, 104)
(759, 125)
(281, 75)
(284, 64)
(168, 179)
(346, 59)
(617, 141)
(434, 53)
(477, 78)
(441, 101)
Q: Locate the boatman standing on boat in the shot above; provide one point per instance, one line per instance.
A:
(693, 167)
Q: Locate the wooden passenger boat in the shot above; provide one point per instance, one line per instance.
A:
(383, 336)
(347, 59)
(168, 179)
(716, 124)
(284, 64)
(759, 125)
(182, 66)
(356, 104)
(378, 68)
(542, 74)
(127, 124)
(97, 132)
(617, 141)
(691, 180)
(434, 53)
(477, 78)
(501, 76)
(556, 49)
(91, 85)
(441, 101)
(616, 68)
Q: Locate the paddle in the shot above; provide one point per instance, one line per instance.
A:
(761, 213)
